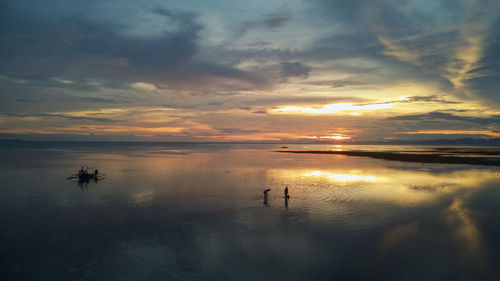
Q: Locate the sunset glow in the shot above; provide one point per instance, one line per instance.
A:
(333, 108)
(250, 140)
(291, 71)
(341, 177)
(339, 137)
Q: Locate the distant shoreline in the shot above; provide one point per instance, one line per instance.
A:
(493, 142)
(432, 157)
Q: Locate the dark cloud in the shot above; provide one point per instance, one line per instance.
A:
(445, 117)
(63, 116)
(292, 69)
(276, 20)
(433, 99)
(259, 112)
(97, 100)
(363, 82)
(31, 100)
(230, 131)
(35, 48)
(79, 99)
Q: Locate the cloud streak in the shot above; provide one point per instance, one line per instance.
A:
(370, 69)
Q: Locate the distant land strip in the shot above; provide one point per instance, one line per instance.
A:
(410, 157)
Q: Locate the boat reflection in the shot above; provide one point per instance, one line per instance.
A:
(84, 183)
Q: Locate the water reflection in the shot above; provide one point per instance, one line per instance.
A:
(184, 216)
(381, 184)
(341, 177)
(266, 201)
(464, 229)
(83, 183)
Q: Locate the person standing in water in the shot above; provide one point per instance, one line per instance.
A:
(286, 192)
(266, 202)
(266, 191)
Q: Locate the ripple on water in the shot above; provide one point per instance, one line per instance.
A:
(347, 206)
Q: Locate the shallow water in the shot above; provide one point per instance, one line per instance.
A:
(196, 212)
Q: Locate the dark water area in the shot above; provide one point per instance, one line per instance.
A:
(197, 212)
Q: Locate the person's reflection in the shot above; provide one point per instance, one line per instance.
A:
(83, 184)
(286, 202)
(266, 202)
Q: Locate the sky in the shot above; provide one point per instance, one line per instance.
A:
(228, 70)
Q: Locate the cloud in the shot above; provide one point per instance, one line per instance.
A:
(294, 69)
(142, 86)
(277, 20)
(448, 44)
(454, 132)
(260, 112)
(432, 99)
(113, 50)
(204, 62)
(332, 108)
(59, 115)
(232, 131)
(483, 80)
(445, 117)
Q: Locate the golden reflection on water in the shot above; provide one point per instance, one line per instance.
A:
(400, 187)
(353, 181)
(351, 193)
(341, 177)
(464, 229)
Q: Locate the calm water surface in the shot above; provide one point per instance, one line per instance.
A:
(196, 212)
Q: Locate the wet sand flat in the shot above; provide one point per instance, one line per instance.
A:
(438, 156)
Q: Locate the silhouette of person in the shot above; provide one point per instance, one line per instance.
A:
(286, 192)
(266, 191)
(82, 171)
(266, 202)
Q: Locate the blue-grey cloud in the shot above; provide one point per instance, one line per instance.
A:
(436, 40)
(484, 79)
(63, 116)
(63, 56)
(447, 117)
(276, 20)
(35, 48)
(294, 69)
(432, 99)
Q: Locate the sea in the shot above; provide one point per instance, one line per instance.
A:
(197, 211)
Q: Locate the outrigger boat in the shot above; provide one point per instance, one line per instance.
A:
(86, 174)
